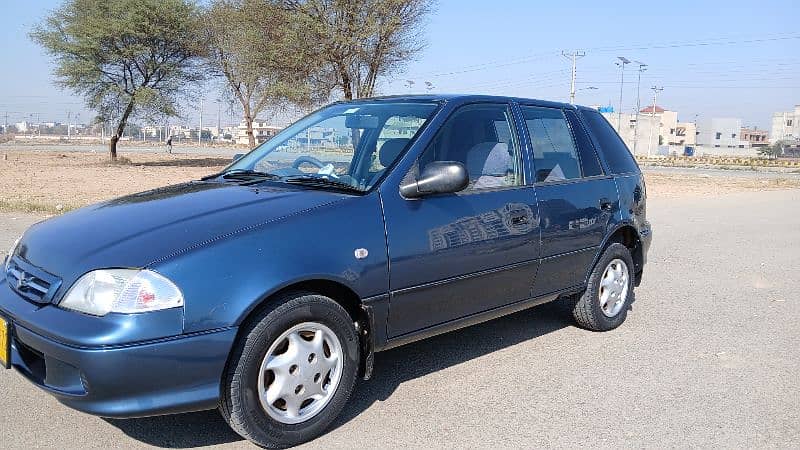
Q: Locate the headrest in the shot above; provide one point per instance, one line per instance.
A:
(488, 158)
(391, 149)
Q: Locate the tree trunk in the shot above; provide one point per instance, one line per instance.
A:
(123, 121)
(347, 86)
(251, 139)
(112, 148)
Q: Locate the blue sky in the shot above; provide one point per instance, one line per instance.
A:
(714, 58)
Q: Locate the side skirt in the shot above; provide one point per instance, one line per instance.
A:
(470, 320)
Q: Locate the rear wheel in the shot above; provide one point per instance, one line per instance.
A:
(605, 303)
(293, 371)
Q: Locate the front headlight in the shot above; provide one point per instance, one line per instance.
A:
(121, 291)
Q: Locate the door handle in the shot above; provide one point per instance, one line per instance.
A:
(605, 204)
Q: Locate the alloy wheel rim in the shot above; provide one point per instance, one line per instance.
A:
(300, 373)
(614, 287)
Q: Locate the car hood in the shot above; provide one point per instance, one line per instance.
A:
(141, 229)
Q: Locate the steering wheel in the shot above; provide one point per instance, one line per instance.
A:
(307, 159)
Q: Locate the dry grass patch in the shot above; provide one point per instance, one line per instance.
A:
(55, 182)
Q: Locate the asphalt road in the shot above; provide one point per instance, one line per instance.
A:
(709, 356)
(788, 173)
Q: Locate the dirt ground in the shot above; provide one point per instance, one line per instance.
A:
(51, 182)
(41, 181)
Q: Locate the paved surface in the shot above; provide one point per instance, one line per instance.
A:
(789, 173)
(709, 356)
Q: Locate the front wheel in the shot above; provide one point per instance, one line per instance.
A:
(609, 293)
(292, 372)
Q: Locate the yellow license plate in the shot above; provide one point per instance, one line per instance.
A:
(5, 345)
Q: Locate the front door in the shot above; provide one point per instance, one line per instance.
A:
(576, 198)
(454, 255)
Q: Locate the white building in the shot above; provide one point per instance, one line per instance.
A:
(672, 133)
(786, 126)
(640, 142)
(721, 136)
(262, 131)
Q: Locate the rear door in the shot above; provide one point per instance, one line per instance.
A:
(576, 198)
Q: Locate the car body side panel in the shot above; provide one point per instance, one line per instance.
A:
(573, 226)
(456, 255)
(219, 293)
(633, 209)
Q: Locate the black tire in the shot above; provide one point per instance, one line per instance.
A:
(588, 310)
(240, 405)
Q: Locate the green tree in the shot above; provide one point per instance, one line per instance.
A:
(772, 151)
(356, 42)
(258, 49)
(127, 58)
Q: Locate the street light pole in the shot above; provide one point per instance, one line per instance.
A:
(574, 57)
(642, 68)
(623, 61)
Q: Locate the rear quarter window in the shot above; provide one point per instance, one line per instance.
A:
(616, 153)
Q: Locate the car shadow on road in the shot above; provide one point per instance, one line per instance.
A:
(392, 368)
(396, 366)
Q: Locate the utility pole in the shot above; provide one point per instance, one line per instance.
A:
(219, 119)
(574, 57)
(655, 90)
(623, 61)
(642, 68)
(69, 116)
(200, 131)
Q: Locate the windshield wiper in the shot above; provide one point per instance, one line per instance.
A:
(242, 174)
(309, 180)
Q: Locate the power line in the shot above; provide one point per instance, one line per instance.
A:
(650, 46)
(719, 41)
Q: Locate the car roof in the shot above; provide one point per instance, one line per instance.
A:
(468, 98)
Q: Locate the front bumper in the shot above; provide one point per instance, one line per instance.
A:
(159, 376)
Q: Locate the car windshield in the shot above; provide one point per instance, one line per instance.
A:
(343, 146)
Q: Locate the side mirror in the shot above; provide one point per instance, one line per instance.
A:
(237, 156)
(438, 177)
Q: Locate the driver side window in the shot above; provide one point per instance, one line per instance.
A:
(481, 137)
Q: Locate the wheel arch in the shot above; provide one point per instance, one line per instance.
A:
(337, 291)
(624, 233)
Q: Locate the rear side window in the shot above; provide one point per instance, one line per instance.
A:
(616, 153)
(589, 162)
(555, 157)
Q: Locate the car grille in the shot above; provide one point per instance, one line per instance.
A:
(30, 282)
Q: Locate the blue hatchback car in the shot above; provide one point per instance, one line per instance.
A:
(265, 290)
